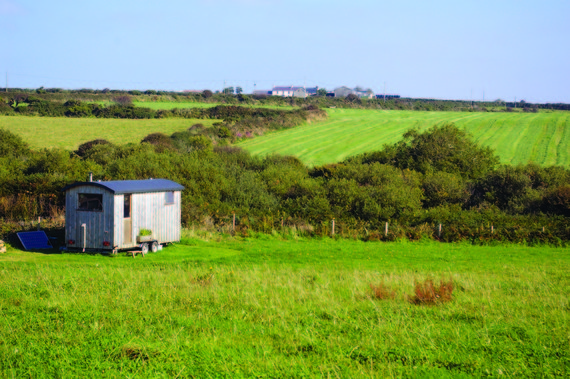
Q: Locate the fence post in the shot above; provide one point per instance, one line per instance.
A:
(234, 222)
(543, 229)
(439, 231)
(386, 230)
(492, 229)
(332, 231)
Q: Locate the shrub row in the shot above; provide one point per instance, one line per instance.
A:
(413, 194)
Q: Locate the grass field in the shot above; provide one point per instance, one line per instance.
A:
(69, 133)
(543, 138)
(269, 307)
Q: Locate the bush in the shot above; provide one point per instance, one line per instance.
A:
(507, 188)
(85, 147)
(123, 100)
(382, 292)
(160, 141)
(440, 148)
(427, 293)
(12, 145)
(557, 201)
(442, 188)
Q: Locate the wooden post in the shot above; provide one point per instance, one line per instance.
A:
(281, 222)
(439, 231)
(492, 229)
(332, 231)
(543, 229)
(234, 223)
(386, 230)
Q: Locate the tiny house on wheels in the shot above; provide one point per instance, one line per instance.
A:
(122, 214)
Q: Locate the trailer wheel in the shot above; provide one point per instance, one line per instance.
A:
(144, 248)
(154, 247)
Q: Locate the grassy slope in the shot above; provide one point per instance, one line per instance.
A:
(279, 308)
(69, 133)
(517, 137)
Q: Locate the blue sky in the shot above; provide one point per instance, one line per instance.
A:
(438, 49)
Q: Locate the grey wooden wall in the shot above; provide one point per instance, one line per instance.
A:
(149, 211)
(98, 225)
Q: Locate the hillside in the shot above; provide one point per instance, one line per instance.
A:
(542, 138)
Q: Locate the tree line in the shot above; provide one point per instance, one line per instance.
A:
(232, 98)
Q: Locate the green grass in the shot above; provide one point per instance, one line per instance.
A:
(69, 133)
(269, 307)
(542, 138)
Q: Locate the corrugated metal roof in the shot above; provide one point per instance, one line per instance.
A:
(287, 88)
(132, 186)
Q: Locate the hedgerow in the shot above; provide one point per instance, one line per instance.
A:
(495, 203)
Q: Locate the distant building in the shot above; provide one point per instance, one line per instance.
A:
(312, 91)
(289, 91)
(345, 91)
(342, 91)
(262, 92)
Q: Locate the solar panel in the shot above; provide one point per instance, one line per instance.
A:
(34, 240)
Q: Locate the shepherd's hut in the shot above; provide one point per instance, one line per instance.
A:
(122, 214)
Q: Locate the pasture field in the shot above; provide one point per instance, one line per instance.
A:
(286, 307)
(543, 138)
(69, 133)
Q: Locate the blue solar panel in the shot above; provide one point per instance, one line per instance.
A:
(34, 240)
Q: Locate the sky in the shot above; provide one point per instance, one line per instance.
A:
(461, 49)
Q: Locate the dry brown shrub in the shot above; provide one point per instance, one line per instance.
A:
(382, 292)
(427, 293)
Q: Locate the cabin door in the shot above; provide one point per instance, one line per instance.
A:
(127, 221)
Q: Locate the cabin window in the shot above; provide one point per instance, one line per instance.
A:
(169, 198)
(90, 202)
(127, 206)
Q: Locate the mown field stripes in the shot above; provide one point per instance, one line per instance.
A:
(542, 138)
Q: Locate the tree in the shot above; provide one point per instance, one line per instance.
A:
(239, 90)
(444, 148)
(229, 91)
(207, 94)
(352, 98)
(321, 92)
(12, 145)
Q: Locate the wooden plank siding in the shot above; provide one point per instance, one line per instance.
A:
(98, 224)
(118, 223)
(149, 211)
